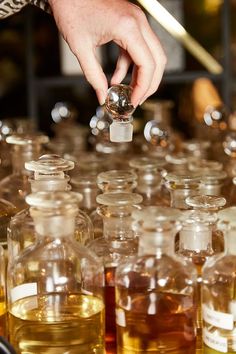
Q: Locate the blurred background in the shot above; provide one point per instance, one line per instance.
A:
(37, 71)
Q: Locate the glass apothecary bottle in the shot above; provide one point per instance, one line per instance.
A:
(218, 292)
(55, 287)
(118, 243)
(48, 175)
(155, 291)
(195, 244)
(210, 205)
(114, 181)
(3, 300)
(150, 174)
(25, 148)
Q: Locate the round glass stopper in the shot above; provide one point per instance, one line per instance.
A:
(118, 101)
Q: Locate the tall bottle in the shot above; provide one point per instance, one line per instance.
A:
(195, 244)
(55, 287)
(49, 175)
(218, 292)
(114, 181)
(16, 186)
(118, 243)
(155, 291)
(150, 174)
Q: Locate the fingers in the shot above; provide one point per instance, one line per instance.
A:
(86, 55)
(122, 67)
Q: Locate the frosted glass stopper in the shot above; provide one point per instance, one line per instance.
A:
(121, 132)
(143, 163)
(206, 202)
(49, 163)
(119, 199)
(54, 200)
(25, 139)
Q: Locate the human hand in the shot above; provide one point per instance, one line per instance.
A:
(87, 24)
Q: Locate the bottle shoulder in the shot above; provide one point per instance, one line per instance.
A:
(222, 263)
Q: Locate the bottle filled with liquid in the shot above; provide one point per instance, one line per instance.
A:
(49, 174)
(156, 291)
(55, 287)
(25, 148)
(218, 292)
(118, 243)
(3, 300)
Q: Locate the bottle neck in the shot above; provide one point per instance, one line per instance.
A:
(195, 237)
(156, 243)
(53, 184)
(211, 189)
(21, 155)
(148, 182)
(117, 222)
(178, 197)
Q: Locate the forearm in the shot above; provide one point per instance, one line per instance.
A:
(9, 7)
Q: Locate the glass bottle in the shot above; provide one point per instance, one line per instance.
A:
(3, 300)
(155, 291)
(117, 243)
(177, 162)
(181, 185)
(210, 205)
(114, 181)
(196, 148)
(55, 287)
(49, 175)
(25, 148)
(218, 292)
(195, 244)
(150, 174)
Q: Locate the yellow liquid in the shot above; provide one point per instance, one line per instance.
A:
(169, 329)
(57, 324)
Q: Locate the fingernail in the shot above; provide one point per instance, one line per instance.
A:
(101, 96)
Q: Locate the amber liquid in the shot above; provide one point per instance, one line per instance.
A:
(3, 316)
(57, 324)
(110, 336)
(155, 322)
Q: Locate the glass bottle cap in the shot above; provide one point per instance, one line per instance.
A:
(228, 215)
(118, 100)
(119, 199)
(205, 165)
(206, 202)
(189, 217)
(195, 144)
(213, 176)
(54, 200)
(121, 132)
(180, 178)
(144, 163)
(25, 139)
(178, 158)
(116, 176)
(49, 163)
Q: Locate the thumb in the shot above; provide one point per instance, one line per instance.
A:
(86, 55)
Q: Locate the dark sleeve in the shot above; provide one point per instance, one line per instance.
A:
(9, 7)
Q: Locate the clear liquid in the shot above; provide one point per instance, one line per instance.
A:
(57, 324)
(157, 323)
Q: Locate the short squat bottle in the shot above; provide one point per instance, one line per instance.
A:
(218, 292)
(155, 291)
(16, 186)
(118, 243)
(48, 175)
(55, 287)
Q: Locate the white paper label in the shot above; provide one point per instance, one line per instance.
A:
(23, 290)
(217, 319)
(215, 341)
(120, 318)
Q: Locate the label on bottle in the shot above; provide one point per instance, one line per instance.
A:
(120, 318)
(217, 319)
(215, 341)
(23, 290)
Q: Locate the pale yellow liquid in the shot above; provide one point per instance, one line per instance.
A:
(57, 324)
(3, 317)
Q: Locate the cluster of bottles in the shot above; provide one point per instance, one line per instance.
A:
(126, 249)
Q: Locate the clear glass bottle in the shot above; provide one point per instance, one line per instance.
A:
(210, 205)
(55, 287)
(181, 185)
(195, 244)
(218, 292)
(48, 175)
(118, 243)
(150, 174)
(114, 181)
(155, 291)
(15, 187)
(196, 148)
(3, 300)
